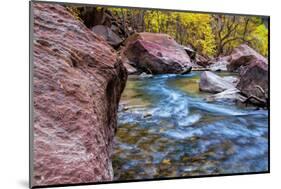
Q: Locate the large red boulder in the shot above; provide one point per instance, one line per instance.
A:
(156, 53)
(242, 56)
(253, 78)
(77, 84)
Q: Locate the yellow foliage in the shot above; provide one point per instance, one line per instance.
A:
(261, 42)
(74, 11)
(186, 28)
(232, 31)
(209, 34)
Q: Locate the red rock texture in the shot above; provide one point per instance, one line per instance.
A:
(253, 75)
(156, 53)
(201, 60)
(242, 56)
(77, 84)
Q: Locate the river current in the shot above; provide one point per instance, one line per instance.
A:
(167, 129)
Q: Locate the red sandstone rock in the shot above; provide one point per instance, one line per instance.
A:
(77, 83)
(156, 53)
(253, 75)
(242, 56)
(201, 60)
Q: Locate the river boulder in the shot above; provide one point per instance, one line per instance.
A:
(242, 56)
(212, 83)
(229, 95)
(156, 53)
(202, 60)
(77, 84)
(232, 79)
(218, 64)
(254, 79)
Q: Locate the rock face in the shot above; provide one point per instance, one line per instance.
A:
(219, 64)
(210, 82)
(112, 38)
(252, 76)
(93, 16)
(156, 53)
(201, 60)
(243, 56)
(77, 81)
(232, 79)
(191, 52)
(130, 69)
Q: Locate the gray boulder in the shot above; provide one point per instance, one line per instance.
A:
(232, 79)
(212, 83)
(232, 95)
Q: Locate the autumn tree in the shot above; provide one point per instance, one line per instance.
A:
(231, 31)
(210, 34)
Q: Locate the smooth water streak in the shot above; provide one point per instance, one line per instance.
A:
(170, 132)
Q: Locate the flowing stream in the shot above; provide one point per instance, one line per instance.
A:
(167, 129)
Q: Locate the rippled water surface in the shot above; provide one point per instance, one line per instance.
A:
(166, 129)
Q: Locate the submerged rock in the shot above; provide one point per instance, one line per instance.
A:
(156, 53)
(186, 71)
(210, 82)
(145, 75)
(78, 82)
(242, 56)
(147, 114)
